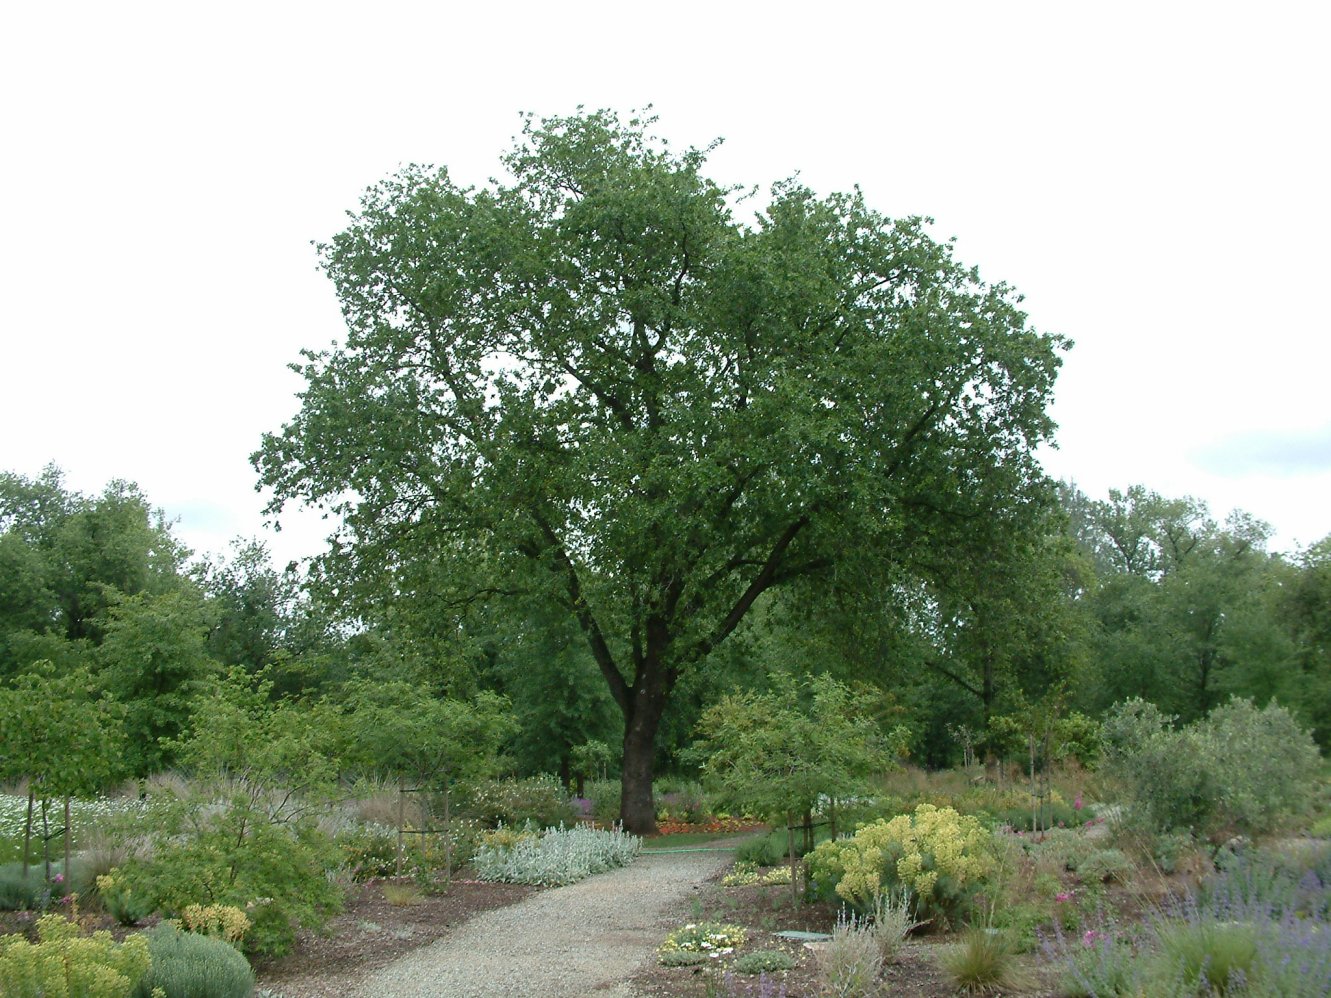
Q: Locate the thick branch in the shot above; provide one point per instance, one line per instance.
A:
(591, 628)
(761, 583)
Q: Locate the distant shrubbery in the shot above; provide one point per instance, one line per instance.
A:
(1240, 770)
(539, 800)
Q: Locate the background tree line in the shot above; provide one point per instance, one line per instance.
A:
(1132, 595)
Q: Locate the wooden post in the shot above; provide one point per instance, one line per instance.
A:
(27, 834)
(1035, 795)
(46, 840)
(401, 820)
(448, 839)
(794, 863)
(68, 836)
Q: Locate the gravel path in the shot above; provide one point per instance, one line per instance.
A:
(585, 939)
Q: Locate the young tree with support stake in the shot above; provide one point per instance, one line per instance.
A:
(595, 384)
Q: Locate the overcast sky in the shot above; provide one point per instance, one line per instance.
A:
(1153, 177)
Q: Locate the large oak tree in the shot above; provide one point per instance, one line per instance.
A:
(600, 383)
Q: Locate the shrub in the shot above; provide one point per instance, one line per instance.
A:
(936, 854)
(765, 850)
(368, 851)
(556, 857)
(1256, 922)
(185, 965)
(892, 922)
(1240, 769)
(683, 958)
(1105, 865)
(763, 961)
(65, 962)
(1278, 884)
(1052, 813)
(604, 796)
(219, 921)
(710, 939)
(20, 893)
(121, 901)
(772, 848)
(276, 876)
(1057, 850)
(849, 965)
(687, 803)
(537, 799)
(745, 874)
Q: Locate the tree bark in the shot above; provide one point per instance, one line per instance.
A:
(636, 808)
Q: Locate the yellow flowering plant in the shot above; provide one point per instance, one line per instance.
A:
(221, 921)
(936, 854)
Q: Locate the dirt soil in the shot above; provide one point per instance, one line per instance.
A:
(371, 932)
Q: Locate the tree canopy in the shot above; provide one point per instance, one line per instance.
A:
(597, 383)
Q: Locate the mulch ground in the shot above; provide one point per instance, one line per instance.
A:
(371, 932)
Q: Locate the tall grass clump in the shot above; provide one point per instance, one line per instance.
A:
(556, 857)
(984, 962)
(849, 965)
(186, 965)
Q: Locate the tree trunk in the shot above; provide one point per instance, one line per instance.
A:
(27, 834)
(68, 836)
(636, 808)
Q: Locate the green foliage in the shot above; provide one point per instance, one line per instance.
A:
(1104, 865)
(537, 799)
(682, 958)
(604, 795)
(122, 901)
(401, 729)
(154, 660)
(764, 850)
(591, 758)
(188, 965)
(776, 754)
(242, 836)
(20, 891)
(71, 737)
(369, 851)
(763, 961)
(274, 873)
(70, 557)
(63, 963)
(937, 855)
(595, 388)
(1239, 770)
